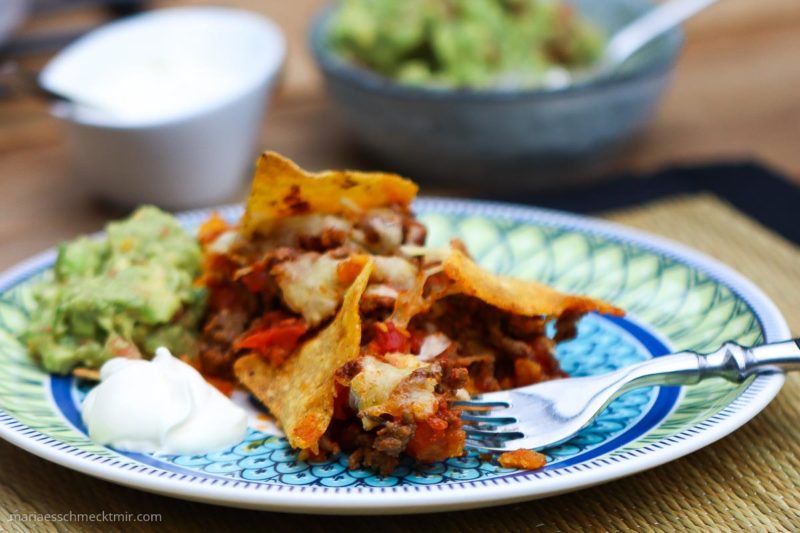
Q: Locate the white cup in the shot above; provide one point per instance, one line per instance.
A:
(188, 141)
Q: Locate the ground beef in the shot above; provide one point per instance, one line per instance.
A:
(393, 438)
(376, 307)
(489, 341)
(522, 327)
(280, 255)
(215, 361)
(329, 239)
(225, 326)
(414, 232)
(514, 347)
(221, 329)
(345, 373)
(381, 450)
(567, 326)
(454, 378)
(238, 304)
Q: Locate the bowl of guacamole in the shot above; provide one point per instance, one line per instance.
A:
(122, 294)
(465, 43)
(450, 91)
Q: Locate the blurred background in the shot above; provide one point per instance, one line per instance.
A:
(732, 98)
(696, 140)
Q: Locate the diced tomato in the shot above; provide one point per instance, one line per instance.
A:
(275, 340)
(256, 281)
(437, 423)
(431, 444)
(388, 338)
(438, 437)
(225, 386)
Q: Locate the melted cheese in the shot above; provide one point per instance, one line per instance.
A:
(380, 291)
(310, 286)
(388, 227)
(394, 271)
(289, 230)
(385, 387)
(375, 383)
(429, 255)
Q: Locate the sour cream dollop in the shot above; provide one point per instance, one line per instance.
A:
(160, 406)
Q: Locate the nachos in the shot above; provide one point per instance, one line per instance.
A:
(325, 303)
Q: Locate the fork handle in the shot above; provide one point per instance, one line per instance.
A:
(732, 362)
(737, 363)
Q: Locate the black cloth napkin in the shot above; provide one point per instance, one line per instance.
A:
(753, 189)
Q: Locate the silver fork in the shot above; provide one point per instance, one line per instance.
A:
(545, 414)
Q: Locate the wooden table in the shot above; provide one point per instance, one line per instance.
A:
(735, 95)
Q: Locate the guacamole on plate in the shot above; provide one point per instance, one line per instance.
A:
(123, 295)
(464, 43)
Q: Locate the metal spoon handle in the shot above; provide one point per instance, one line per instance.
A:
(625, 42)
(732, 362)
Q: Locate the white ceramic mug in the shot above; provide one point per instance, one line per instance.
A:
(182, 155)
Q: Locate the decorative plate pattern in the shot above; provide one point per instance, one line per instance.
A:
(601, 346)
(675, 298)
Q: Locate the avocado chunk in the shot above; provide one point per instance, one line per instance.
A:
(123, 294)
(464, 43)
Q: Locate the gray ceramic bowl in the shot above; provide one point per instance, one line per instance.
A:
(528, 138)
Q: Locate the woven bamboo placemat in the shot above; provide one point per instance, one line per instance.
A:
(748, 481)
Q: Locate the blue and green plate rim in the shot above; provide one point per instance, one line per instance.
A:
(751, 398)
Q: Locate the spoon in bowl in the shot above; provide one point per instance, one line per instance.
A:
(628, 40)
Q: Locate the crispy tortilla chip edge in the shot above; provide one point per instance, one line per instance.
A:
(518, 296)
(280, 188)
(304, 425)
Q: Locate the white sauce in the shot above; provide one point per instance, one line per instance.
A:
(150, 87)
(160, 406)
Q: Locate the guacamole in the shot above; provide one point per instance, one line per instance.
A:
(123, 295)
(464, 43)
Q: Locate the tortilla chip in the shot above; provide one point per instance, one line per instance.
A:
(300, 393)
(282, 189)
(517, 296)
(513, 295)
